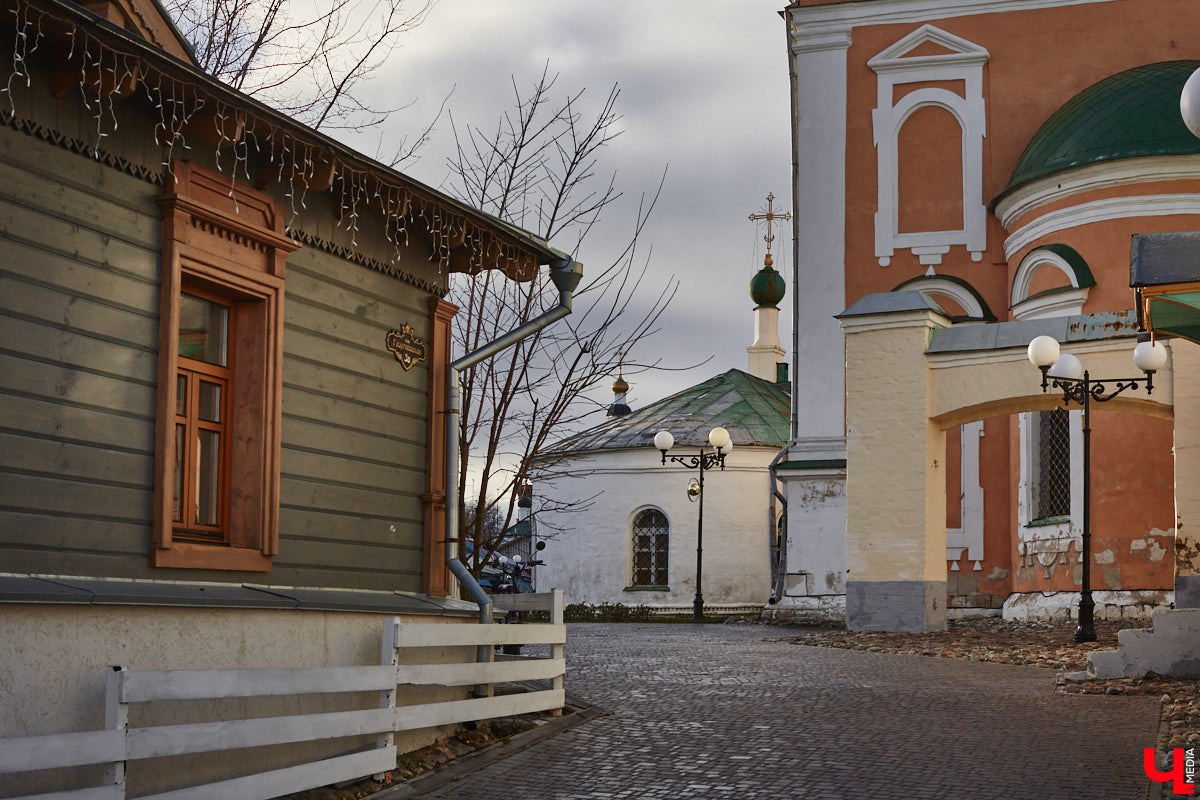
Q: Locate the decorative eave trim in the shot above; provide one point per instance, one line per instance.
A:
(1100, 211)
(349, 254)
(1012, 204)
(157, 177)
(152, 175)
(886, 12)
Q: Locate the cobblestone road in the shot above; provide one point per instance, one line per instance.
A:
(715, 711)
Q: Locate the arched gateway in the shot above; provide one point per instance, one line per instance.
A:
(911, 376)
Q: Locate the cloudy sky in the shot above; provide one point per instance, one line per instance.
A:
(703, 94)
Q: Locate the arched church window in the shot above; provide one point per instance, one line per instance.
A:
(651, 543)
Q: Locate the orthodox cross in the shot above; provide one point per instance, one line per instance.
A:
(770, 217)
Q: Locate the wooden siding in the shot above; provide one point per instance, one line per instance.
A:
(353, 429)
(79, 250)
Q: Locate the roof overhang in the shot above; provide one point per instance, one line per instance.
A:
(1164, 268)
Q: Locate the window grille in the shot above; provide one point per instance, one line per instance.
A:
(1052, 492)
(651, 540)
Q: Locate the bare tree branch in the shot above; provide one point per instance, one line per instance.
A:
(539, 167)
(308, 65)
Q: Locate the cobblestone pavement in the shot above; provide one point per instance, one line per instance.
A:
(715, 711)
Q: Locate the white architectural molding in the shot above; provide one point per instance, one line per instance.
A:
(1059, 304)
(969, 535)
(1100, 211)
(1041, 192)
(886, 12)
(932, 285)
(964, 62)
(819, 116)
(803, 42)
(895, 320)
(1056, 304)
(1063, 532)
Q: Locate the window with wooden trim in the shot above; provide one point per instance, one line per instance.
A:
(220, 366)
(651, 544)
(201, 420)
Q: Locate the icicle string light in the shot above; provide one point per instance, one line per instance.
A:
(106, 73)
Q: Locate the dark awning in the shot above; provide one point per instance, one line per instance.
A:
(1165, 269)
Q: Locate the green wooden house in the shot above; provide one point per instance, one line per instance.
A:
(223, 345)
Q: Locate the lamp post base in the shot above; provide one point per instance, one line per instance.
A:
(1086, 632)
(698, 608)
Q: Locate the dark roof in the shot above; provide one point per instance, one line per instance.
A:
(1133, 113)
(756, 412)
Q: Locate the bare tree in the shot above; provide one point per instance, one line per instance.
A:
(307, 64)
(537, 168)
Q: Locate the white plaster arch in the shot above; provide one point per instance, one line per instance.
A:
(967, 299)
(1060, 303)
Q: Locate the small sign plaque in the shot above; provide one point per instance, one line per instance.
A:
(406, 347)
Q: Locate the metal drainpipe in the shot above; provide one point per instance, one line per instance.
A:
(779, 558)
(566, 274)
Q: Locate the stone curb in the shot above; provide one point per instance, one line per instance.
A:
(574, 713)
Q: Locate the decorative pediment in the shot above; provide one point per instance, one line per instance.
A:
(928, 46)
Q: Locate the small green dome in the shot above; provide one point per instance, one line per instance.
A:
(767, 287)
(1131, 114)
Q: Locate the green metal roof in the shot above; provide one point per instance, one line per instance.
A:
(1133, 113)
(756, 412)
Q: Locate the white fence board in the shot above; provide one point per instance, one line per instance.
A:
(525, 601)
(200, 684)
(424, 716)
(112, 792)
(434, 635)
(525, 669)
(61, 750)
(203, 737)
(277, 782)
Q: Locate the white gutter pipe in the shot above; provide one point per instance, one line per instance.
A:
(566, 275)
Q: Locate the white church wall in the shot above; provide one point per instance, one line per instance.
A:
(815, 585)
(589, 551)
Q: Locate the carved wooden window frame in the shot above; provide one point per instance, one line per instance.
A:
(225, 239)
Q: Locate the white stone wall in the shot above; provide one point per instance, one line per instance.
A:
(588, 551)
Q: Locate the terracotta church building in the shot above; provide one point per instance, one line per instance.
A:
(968, 176)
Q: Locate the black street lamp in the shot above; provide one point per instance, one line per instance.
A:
(1066, 372)
(719, 439)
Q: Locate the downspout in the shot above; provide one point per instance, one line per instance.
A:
(566, 274)
(779, 551)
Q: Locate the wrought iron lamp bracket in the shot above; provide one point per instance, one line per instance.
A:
(1079, 390)
(702, 461)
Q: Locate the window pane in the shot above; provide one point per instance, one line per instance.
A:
(178, 491)
(208, 479)
(651, 542)
(181, 391)
(1054, 464)
(210, 402)
(203, 327)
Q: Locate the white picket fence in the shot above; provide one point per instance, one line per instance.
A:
(118, 744)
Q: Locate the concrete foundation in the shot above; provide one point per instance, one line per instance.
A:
(899, 606)
(1110, 605)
